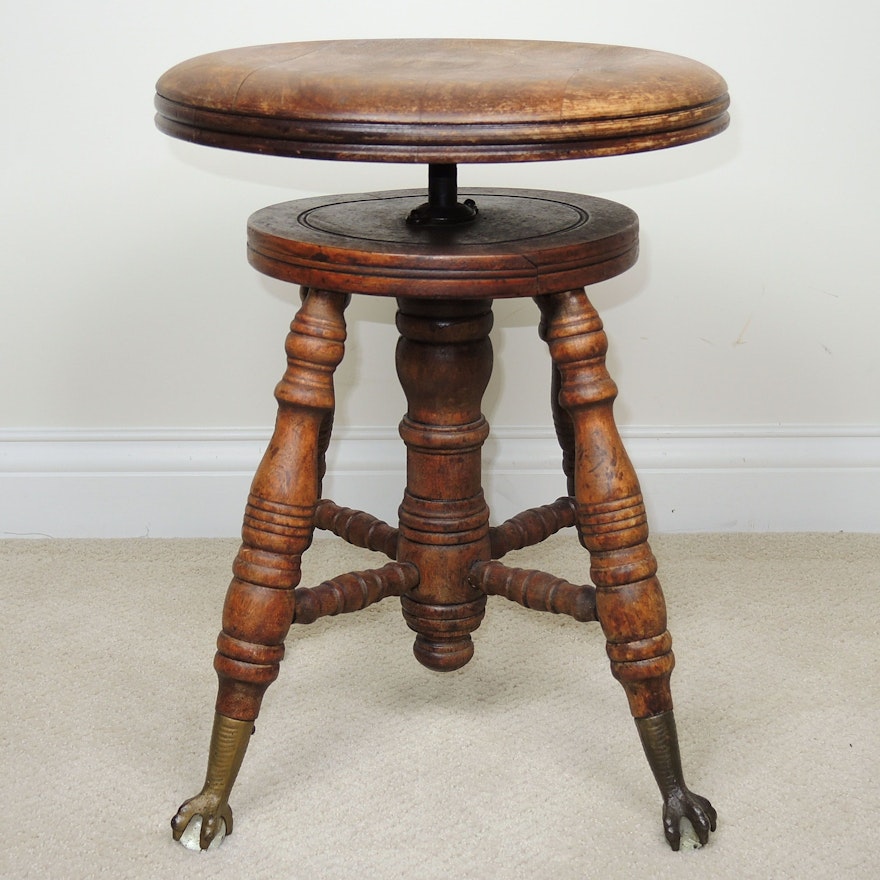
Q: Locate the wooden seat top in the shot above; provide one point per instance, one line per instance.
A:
(441, 100)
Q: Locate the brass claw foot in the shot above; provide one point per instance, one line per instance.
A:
(684, 804)
(202, 822)
(660, 742)
(207, 818)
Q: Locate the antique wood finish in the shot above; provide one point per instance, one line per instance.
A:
(356, 527)
(441, 100)
(610, 512)
(354, 591)
(532, 526)
(613, 526)
(535, 589)
(278, 526)
(279, 518)
(526, 243)
(446, 554)
(444, 360)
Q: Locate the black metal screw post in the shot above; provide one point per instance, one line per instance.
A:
(443, 207)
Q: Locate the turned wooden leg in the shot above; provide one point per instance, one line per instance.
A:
(444, 360)
(613, 527)
(278, 527)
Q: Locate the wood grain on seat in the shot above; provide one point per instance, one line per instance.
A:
(441, 100)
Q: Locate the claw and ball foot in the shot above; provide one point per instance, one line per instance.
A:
(207, 818)
(660, 742)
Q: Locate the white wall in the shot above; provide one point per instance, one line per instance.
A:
(127, 304)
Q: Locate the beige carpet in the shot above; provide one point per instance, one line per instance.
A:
(525, 764)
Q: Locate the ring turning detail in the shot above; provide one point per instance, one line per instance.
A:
(445, 261)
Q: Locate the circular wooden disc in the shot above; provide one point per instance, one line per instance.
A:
(441, 101)
(523, 243)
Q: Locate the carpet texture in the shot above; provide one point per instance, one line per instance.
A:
(524, 764)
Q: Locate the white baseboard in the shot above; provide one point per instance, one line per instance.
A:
(193, 483)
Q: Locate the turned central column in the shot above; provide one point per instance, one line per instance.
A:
(444, 360)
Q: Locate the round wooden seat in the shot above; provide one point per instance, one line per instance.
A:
(441, 101)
